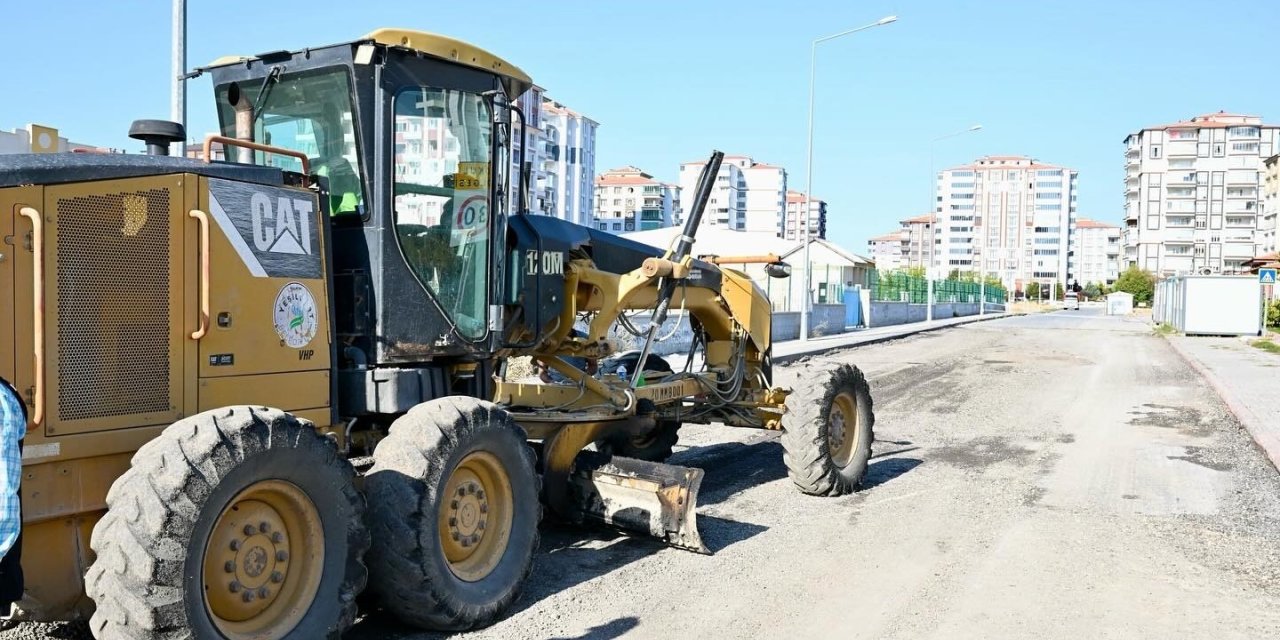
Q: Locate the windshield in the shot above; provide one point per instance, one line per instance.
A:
(309, 112)
(442, 183)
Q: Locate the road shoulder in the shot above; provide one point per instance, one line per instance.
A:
(1245, 378)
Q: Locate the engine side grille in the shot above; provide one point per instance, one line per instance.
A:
(113, 305)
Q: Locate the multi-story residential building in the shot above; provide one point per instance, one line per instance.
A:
(727, 205)
(920, 241)
(1192, 193)
(889, 250)
(41, 139)
(530, 139)
(1270, 205)
(1007, 216)
(1096, 249)
(766, 189)
(628, 199)
(568, 163)
(793, 228)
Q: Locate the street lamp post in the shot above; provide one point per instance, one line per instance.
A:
(808, 192)
(934, 218)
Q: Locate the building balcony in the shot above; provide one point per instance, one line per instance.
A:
(1133, 150)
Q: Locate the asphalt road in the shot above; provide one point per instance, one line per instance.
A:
(1053, 476)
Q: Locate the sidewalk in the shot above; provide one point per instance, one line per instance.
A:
(1246, 380)
(789, 350)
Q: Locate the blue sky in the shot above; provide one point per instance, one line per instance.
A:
(1062, 81)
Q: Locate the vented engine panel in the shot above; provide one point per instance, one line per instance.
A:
(114, 290)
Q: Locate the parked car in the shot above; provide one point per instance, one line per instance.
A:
(1071, 301)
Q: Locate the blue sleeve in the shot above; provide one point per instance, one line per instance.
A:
(13, 427)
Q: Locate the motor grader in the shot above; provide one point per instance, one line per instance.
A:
(264, 385)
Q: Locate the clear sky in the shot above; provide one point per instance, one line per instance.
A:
(1060, 81)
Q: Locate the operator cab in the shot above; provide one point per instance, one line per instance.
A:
(411, 133)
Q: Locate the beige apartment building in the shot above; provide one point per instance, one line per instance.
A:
(1096, 249)
(793, 228)
(628, 199)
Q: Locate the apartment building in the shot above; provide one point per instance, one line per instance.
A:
(889, 250)
(628, 199)
(766, 189)
(567, 180)
(1270, 205)
(920, 241)
(793, 228)
(529, 139)
(41, 139)
(1007, 216)
(1192, 193)
(727, 205)
(1096, 249)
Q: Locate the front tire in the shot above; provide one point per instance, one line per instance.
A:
(828, 433)
(453, 502)
(240, 522)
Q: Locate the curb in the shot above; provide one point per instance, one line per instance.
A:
(1268, 442)
(779, 360)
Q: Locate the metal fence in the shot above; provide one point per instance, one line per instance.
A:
(904, 287)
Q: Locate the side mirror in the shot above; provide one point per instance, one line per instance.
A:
(778, 270)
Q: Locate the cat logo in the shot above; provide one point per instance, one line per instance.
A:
(274, 230)
(286, 229)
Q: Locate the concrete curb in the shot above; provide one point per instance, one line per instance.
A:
(893, 336)
(1268, 442)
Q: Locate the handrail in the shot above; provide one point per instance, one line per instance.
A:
(37, 309)
(203, 327)
(257, 146)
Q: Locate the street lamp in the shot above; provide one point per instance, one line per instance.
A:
(934, 218)
(808, 192)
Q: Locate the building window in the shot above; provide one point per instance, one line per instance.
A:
(1155, 151)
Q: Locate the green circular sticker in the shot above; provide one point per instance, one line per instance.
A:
(295, 315)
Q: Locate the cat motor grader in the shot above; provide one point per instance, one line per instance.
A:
(352, 264)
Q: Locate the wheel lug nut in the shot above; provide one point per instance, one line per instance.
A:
(453, 522)
(235, 545)
(480, 493)
(277, 577)
(466, 542)
(282, 555)
(262, 592)
(456, 536)
(462, 491)
(264, 527)
(249, 530)
(277, 537)
(484, 508)
(248, 596)
(229, 567)
(453, 504)
(480, 526)
(234, 587)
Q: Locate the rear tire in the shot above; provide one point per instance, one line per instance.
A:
(828, 433)
(453, 503)
(176, 535)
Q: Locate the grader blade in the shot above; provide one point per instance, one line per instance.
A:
(646, 497)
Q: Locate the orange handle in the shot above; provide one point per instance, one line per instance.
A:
(203, 327)
(37, 309)
(257, 146)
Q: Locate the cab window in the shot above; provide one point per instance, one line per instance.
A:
(442, 146)
(309, 112)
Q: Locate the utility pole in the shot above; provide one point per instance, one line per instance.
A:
(178, 97)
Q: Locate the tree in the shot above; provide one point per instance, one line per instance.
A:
(1060, 292)
(1092, 290)
(1138, 282)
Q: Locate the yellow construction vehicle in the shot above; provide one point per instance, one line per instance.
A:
(356, 266)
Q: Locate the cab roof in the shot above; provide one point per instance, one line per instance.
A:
(515, 81)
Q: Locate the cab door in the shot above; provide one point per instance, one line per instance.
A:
(16, 286)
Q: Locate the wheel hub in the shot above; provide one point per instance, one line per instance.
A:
(252, 585)
(842, 425)
(475, 516)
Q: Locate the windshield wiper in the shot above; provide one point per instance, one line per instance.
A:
(272, 79)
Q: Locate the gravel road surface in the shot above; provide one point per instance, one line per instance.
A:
(1053, 476)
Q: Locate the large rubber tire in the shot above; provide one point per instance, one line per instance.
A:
(815, 463)
(413, 466)
(148, 580)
